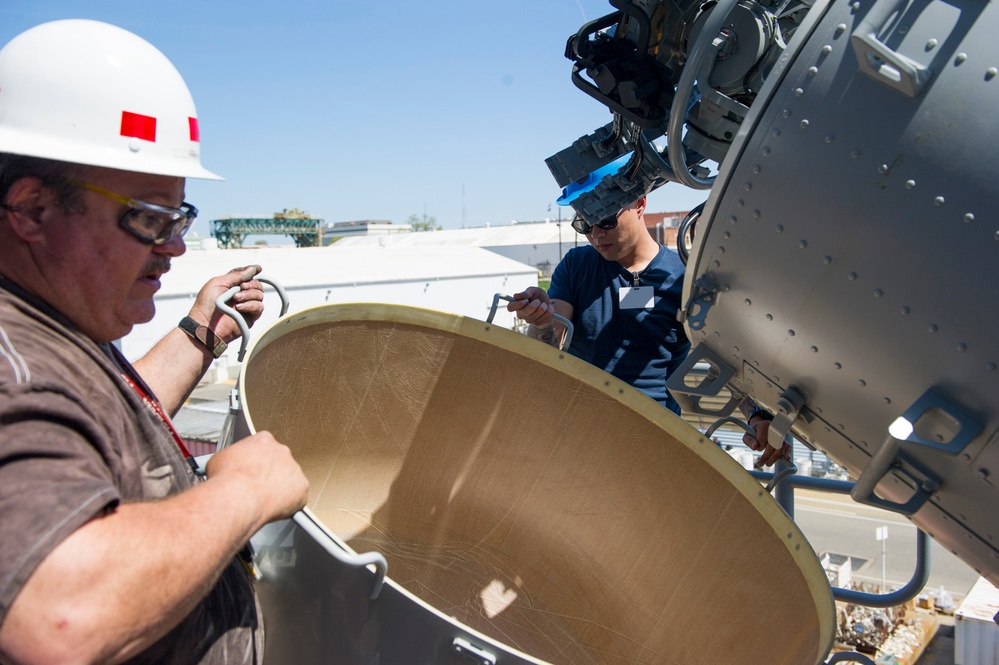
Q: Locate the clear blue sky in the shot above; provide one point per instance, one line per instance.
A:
(370, 109)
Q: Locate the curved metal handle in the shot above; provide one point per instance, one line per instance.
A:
(789, 469)
(879, 61)
(702, 55)
(729, 420)
(244, 329)
(557, 317)
(307, 524)
(687, 226)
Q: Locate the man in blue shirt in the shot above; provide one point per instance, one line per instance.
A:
(622, 293)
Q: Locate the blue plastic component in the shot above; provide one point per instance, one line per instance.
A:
(574, 190)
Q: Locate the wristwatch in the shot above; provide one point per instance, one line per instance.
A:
(759, 411)
(204, 335)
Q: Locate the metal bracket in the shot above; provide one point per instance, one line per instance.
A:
(931, 400)
(789, 405)
(888, 457)
(879, 61)
(464, 648)
(689, 397)
(227, 435)
(702, 297)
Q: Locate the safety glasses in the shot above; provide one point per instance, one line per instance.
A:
(152, 224)
(580, 225)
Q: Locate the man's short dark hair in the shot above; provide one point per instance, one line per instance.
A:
(55, 175)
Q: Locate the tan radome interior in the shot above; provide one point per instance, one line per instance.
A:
(531, 496)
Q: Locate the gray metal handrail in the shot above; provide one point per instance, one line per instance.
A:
(902, 595)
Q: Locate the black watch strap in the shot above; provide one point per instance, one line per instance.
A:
(204, 335)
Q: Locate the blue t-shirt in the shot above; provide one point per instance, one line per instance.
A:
(639, 346)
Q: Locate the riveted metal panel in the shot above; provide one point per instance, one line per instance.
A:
(854, 239)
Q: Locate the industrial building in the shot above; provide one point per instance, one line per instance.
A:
(460, 280)
(538, 244)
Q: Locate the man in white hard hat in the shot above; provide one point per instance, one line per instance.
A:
(113, 550)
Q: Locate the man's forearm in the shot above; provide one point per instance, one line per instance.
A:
(124, 580)
(173, 367)
(544, 334)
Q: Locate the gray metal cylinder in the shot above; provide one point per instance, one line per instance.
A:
(852, 235)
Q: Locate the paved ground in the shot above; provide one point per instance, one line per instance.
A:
(941, 649)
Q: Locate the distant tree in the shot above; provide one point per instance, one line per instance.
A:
(424, 223)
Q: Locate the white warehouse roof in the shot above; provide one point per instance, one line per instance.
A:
(456, 279)
(340, 264)
(484, 236)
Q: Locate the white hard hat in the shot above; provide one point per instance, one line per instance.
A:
(91, 93)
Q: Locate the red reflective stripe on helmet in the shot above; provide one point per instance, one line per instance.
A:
(139, 126)
(195, 132)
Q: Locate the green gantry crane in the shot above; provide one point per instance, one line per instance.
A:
(302, 227)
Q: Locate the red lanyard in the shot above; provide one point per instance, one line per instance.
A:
(158, 410)
(245, 555)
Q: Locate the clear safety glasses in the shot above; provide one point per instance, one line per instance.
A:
(152, 224)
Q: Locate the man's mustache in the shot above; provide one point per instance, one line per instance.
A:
(158, 265)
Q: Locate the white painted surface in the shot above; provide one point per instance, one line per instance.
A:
(976, 635)
(455, 279)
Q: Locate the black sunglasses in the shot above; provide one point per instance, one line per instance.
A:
(580, 225)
